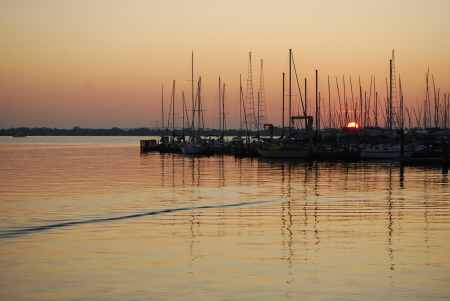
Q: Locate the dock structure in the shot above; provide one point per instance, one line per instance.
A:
(149, 145)
(342, 146)
(441, 160)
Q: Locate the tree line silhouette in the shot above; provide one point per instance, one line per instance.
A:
(115, 131)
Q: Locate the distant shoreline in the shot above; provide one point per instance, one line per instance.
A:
(77, 131)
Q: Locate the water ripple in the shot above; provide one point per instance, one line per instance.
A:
(19, 232)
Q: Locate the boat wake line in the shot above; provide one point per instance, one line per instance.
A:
(19, 232)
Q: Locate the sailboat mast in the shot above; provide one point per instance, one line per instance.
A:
(290, 89)
(220, 106)
(192, 91)
(282, 111)
(162, 110)
(402, 117)
(199, 104)
(402, 132)
(223, 111)
(240, 105)
(362, 121)
(329, 103)
(306, 105)
(262, 102)
(317, 101)
(184, 110)
(376, 102)
(425, 106)
(257, 119)
(390, 95)
(345, 102)
(173, 108)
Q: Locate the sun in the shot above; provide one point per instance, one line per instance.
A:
(352, 125)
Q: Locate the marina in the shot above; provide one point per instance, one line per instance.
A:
(359, 136)
(418, 149)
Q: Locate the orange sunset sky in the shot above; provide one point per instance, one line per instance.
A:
(102, 64)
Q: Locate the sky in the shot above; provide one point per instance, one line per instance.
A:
(105, 63)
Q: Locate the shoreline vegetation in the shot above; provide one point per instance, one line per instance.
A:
(115, 131)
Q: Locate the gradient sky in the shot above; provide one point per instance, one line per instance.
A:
(102, 64)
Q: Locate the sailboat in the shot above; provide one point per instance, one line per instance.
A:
(285, 147)
(220, 145)
(241, 146)
(389, 151)
(196, 146)
(176, 142)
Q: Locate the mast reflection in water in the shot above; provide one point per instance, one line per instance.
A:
(102, 222)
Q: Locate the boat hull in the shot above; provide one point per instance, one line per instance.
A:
(193, 149)
(385, 154)
(285, 153)
(221, 147)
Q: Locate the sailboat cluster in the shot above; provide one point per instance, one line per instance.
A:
(302, 137)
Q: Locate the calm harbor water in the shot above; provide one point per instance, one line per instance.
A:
(91, 218)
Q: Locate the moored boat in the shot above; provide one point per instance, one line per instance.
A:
(386, 152)
(293, 146)
(193, 149)
(219, 146)
(197, 146)
(285, 151)
(393, 149)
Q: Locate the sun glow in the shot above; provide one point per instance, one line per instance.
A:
(352, 125)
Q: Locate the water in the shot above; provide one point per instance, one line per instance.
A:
(91, 218)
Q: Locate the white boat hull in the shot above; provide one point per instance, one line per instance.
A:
(193, 149)
(385, 153)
